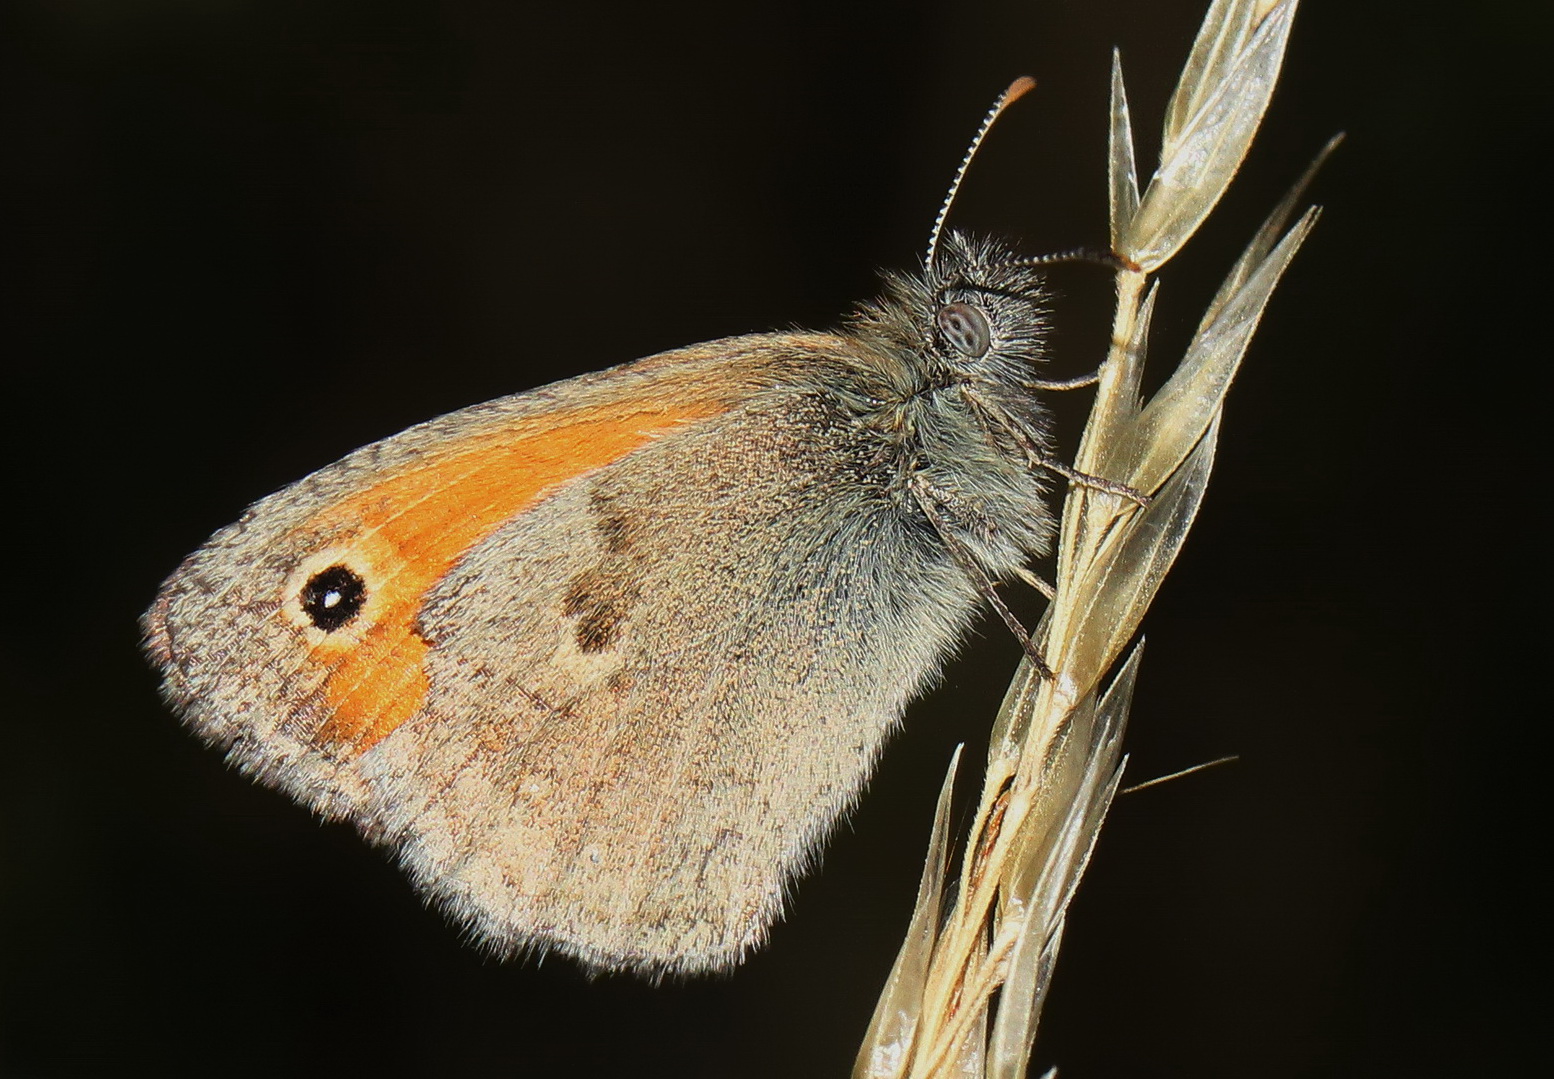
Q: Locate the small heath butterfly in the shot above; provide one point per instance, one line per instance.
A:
(604, 662)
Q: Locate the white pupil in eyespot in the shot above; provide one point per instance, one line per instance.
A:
(965, 329)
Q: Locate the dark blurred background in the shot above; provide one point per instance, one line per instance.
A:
(244, 238)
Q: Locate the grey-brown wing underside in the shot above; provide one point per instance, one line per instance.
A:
(654, 694)
(649, 695)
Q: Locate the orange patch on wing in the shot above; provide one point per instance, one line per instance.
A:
(418, 524)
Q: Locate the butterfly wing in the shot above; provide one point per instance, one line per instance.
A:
(295, 698)
(602, 663)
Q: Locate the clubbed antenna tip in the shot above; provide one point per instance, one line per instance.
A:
(1017, 89)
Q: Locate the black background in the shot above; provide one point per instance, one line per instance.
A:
(244, 238)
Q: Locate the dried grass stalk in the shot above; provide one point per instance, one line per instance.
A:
(1055, 759)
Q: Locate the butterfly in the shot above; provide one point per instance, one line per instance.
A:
(604, 662)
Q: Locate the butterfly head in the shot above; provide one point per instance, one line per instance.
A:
(975, 316)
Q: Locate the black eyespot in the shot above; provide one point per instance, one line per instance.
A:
(965, 329)
(333, 596)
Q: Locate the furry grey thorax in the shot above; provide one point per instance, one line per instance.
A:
(964, 432)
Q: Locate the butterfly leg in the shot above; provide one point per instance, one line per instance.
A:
(929, 501)
(994, 416)
(1037, 582)
(1095, 483)
(1063, 383)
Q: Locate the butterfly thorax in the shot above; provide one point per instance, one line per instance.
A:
(944, 363)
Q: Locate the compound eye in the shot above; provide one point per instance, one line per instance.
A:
(965, 329)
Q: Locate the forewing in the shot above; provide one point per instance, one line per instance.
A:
(244, 663)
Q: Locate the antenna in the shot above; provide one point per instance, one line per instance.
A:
(1017, 89)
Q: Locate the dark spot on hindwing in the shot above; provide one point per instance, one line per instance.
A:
(601, 598)
(333, 597)
(598, 623)
(600, 603)
(614, 524)
(616, 534)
